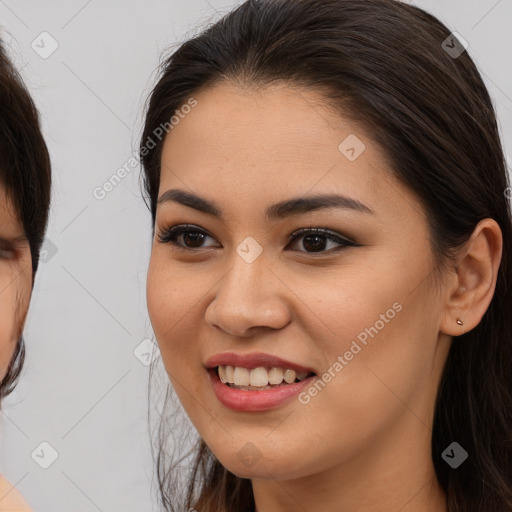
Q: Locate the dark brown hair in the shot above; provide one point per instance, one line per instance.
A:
(25, 176)
(383, 64)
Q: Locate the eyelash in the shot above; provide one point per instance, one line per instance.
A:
(170, 235)
(7, 252)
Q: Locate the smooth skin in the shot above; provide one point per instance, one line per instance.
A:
(15, 290)
(363, 442)
(15, 280)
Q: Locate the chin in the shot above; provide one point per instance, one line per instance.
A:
(262, 468)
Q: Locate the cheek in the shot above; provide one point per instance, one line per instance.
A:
(8, 330)
(173, 306)
(342, 309)
(14, 299)
(378, 360)
(166, 296)
(375, 312)
(370, 330)
(173, 301)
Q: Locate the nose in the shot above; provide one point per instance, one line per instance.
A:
(249, 298)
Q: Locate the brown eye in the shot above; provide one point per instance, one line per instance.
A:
(184, 237)
(316, 240)
(7, 250)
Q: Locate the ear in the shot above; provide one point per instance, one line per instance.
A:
(474, 280)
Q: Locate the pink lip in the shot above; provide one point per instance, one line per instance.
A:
(253, 401)
(254, 360)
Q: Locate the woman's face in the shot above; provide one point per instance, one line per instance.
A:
(15, 280)
(362, 315)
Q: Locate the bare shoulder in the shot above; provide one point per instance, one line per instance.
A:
(10, 499)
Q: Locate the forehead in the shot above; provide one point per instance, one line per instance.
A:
(262, 144)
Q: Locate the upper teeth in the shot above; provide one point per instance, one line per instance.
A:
(258, 376)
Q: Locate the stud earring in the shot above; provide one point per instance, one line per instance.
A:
(459, 321)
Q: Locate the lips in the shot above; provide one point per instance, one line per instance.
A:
(254, 360)
(255, 400)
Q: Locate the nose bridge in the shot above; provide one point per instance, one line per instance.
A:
(247, 281)
(249, 273)
(248, 295)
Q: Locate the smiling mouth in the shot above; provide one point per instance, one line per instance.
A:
(258, 379)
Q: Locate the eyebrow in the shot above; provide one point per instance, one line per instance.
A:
(281, 210)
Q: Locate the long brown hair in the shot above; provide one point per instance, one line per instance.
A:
(25, 175)
(384, 64)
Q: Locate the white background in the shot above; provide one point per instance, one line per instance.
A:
(83, 390)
